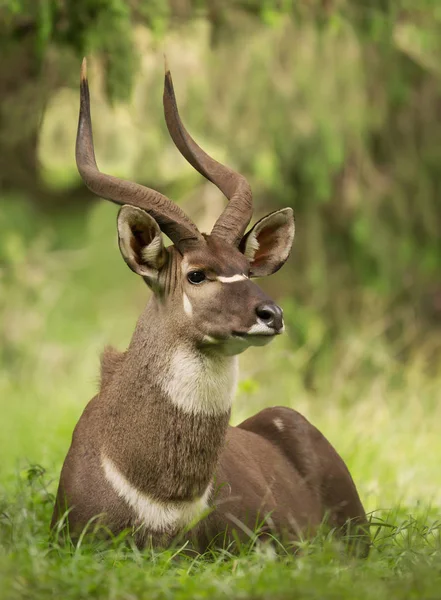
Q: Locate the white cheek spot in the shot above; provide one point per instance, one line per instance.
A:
(156, 516)
(210, 340)
(188, 309)
(231, 279)
(279, 424)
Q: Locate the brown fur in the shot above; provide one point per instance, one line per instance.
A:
(154, 445)
(291, 480)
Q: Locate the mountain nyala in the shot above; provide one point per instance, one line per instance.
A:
(153, 452)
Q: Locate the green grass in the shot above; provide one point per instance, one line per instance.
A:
(61, 304)
(404, 562)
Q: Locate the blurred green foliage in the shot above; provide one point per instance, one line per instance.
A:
(85, 26)
(329, 106)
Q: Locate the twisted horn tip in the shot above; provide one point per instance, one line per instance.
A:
(166, 67)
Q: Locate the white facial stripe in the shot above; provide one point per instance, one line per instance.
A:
(231, 279)
(200, 384)
(188, 309)
(157, 516)
(184, 265)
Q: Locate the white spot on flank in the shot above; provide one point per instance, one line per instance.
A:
(279, 424)
(200, 384)
(231, 279)
(157, 516)
(188, 309)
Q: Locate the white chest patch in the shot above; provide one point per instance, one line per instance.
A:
(200, 384)
(157, 516)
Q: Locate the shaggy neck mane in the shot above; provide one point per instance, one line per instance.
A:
(167, 411)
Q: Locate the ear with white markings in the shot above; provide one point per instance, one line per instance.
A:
(140, 242)
(267, 245)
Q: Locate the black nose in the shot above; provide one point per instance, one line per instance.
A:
(271, 315)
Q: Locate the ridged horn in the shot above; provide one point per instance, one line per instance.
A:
(233, 221)
(171, 219)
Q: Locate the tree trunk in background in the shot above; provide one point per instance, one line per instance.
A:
(24, 92)
(22, 101)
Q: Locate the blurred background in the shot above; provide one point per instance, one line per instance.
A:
(332, 107)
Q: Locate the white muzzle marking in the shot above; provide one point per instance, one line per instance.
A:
(260, 328)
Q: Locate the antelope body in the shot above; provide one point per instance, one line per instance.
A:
(153, 451)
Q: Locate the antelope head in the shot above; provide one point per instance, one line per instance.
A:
(202, 284)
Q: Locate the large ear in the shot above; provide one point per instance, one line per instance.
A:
(140, 242)
(267, 245)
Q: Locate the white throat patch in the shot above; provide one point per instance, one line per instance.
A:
(157, 516)
(200, 384)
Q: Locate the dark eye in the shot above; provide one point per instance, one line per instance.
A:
(196, 277)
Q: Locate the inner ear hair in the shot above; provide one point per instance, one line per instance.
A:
(252, 246)
(152, 253)
(140, 240)
(268, 243)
